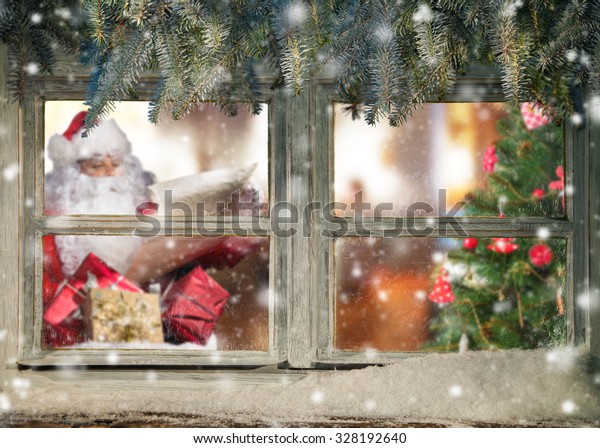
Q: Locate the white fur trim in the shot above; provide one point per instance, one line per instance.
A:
(60, 150)
(105, 139)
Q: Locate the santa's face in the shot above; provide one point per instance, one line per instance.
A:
(101, 166)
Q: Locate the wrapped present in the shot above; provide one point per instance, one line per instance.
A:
(192, 305)
(63, 316)
(121, 316)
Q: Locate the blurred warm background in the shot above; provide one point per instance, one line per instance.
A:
(381, 285)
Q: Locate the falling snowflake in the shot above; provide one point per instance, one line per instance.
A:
(36, 18)
(438, 257)
(563, 358)
(370, 405)
(317, 397)
(543, 233)
(11, 172)
(356, 271)
(296, 13)
(4, 403)
(576, 119)
(420, 295)
(502, 307)
(112, 358)
(571, 55)
(32, 68)
(383, 296)
(63, 13)
(569, 407)
(455, 391)
(151, 376)
(170, 244)
(384, 33)
(423, 14)
(21, 387)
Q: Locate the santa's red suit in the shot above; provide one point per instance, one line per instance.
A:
(70, 191)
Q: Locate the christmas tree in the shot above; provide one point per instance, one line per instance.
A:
(507, 292)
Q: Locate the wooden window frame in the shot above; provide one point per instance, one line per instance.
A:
(301, 154)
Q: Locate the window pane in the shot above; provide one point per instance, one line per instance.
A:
(110, 171)
(193, 293)
(445, 294)
(479, 152)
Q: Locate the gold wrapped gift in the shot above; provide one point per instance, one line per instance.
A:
(122, 316)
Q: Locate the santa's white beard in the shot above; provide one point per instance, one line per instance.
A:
(71, 192)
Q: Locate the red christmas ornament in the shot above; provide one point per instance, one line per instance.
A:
(538, 193)
(470, 243)
(533, 115)
(503, 245)
(489, 159)
(540, 255)
(560, 183)
(442, 291)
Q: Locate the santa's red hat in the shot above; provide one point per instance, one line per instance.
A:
(105, 139)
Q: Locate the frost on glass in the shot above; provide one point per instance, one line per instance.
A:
(129, 165)
(163, 292)
(496, 159)
(449, 294)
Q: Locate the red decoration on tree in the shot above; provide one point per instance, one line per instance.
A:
(503, 245)
(489, 158)
(540, 255)
(538, 193)
(442, 291)
(533, 115)
(560, 183)
(470, 243)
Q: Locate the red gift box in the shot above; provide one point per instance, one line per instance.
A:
(63, 317)
(192, 306)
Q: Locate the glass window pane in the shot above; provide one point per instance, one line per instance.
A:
(479, 152)
(120, 291)
(128, 161)
(449, 294)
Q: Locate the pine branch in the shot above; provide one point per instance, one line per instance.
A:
(118, 75)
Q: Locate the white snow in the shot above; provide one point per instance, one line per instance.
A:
(32, 68)
(11, 172)
(576, 119)
(112, 358)
(543, 233)
(438, 257)
(423, 14)
(503, 387)
(568, 407)
(571, 55)
(4, 403)
(455, 391)
(296, 13)
(36, 18)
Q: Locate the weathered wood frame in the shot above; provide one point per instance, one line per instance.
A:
(301, 167)
(36, 224)
(582, 316)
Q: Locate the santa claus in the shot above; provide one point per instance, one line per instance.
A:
(98, 174)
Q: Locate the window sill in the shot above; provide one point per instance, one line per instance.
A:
(524, 388)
